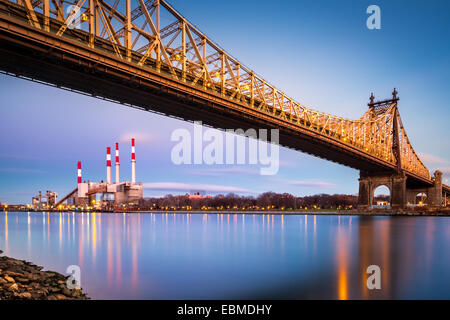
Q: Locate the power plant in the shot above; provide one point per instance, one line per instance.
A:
(38, 202)
(106, 195)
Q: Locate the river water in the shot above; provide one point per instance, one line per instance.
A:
(234, 256)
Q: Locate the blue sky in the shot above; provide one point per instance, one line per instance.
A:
(319, 52)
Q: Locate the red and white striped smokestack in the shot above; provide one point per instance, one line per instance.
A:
(133, 162)
(79, 171)
(108, 165)
(117, 163)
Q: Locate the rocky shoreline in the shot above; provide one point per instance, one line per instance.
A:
(22, 280)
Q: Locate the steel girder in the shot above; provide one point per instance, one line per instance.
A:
(153, 35)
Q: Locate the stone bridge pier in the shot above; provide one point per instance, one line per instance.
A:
(402, 193)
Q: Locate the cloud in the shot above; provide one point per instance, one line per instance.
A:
(19, 193)
(313, 184)
(17, 156)
(431, 159)
(286, 164)
(187, 187)
(141, 137)
(217, 172)
(21, 170)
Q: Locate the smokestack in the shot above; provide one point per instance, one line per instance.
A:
(133, 162)
(108, 165)
(117, 163)
(79, 171)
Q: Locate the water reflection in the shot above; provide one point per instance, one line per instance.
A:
(342, 260)
(94, 235)
(187, 256)
(6, 231)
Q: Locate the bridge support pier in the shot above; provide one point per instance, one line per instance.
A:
(396, 183)
(401, 194)
(434, 195)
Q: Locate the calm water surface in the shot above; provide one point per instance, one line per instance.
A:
(196, 256)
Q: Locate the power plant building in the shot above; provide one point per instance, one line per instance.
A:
(107, 194)
(39, 203)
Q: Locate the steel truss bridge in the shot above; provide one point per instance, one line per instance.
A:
(146, 55)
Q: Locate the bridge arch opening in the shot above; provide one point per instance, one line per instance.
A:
(381, 197)
(421, 199)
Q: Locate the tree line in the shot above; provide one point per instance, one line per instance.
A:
(264, 201)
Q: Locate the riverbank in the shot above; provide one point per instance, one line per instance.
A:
(22, 280)
(418, 211)
(354, 212)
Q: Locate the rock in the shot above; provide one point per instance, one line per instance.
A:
(13, 287)
(25, 295)
(18, 262)
(66, 292)
(1, 251)
(32, 277)
(22, 280)
(76, 293)
(42, 292)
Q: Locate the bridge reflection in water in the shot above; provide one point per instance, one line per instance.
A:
(188, 256)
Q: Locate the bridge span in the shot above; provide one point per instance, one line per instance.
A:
(121, 51)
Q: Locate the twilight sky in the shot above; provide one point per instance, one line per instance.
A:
(319, 52)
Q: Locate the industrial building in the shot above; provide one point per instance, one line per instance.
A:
(46, 201)
(107, 195)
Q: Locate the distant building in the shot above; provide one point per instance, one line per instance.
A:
(197, 195)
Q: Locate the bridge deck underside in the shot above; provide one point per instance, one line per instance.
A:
(71, 64)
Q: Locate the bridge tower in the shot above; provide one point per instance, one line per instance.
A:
(402, 191)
